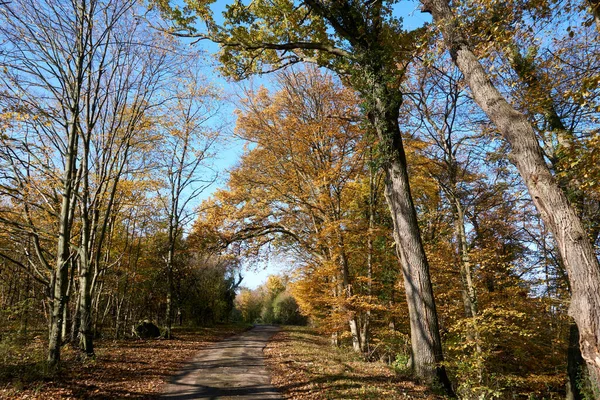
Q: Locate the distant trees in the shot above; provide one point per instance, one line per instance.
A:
(269, 303)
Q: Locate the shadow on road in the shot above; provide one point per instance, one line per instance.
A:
(231, 369)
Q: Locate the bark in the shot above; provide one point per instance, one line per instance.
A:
(346, 291)
(526, 69)
(66, 335)
(119, 307)
(575, 365)
(335, 340)
(354, 331)
(84, 304)
(469, 290)
(85, 309)
(575, 248)
(75, 322)
(61, 268)
(425, 337)
(95, 306)
(364, 334)
(169, 300)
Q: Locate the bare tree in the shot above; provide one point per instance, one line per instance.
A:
(47, 62)
(132, 65)
(189, 136)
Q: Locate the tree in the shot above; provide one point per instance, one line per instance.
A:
(52, 47)
(364, 44)
(292, 188)
(117, 119)
(188, 141)
(576, 251)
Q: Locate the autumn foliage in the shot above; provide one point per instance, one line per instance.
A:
(433, 192)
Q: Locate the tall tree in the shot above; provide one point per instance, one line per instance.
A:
(558, 214)
(363, 43)
(187, 149)
(51, 47)
(299, 175)
(129, 70)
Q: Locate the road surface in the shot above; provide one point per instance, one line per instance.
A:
(231, 369)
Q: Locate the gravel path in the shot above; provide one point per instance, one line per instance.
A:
(231, 369)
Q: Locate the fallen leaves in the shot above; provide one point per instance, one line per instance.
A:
(304, 366)
(132, 369)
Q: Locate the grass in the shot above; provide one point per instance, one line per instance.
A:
(304, 365)
(132, 369)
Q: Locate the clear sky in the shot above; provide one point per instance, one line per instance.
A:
(230, 152)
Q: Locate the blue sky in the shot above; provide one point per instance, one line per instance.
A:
(230, 152)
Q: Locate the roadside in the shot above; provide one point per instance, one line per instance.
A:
(303, 365)
(136, 369)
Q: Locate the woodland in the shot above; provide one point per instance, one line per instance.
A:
(428, 172)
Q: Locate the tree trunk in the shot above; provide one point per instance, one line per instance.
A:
(346, 291)
(85, 308)
(469, 291)
(575, 366)
(119, 307)
(466, 275)
(335, 340)
(527, 71)
(354, 331)
(63, 254)
(364, 334)
(85, 268)
(95, 306)
(75, 321)
(426, 344)
(169, 301)
(575, 248)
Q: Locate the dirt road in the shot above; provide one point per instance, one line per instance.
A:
(231, 369)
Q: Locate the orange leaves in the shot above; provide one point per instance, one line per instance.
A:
(123, 368)
(301, 155)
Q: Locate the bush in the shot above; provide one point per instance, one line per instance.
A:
(286, 311)
(266, 315)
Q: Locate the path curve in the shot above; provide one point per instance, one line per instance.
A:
(230, 369)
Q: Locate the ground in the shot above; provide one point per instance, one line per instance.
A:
(233, 368)
(135, 369)
(199, 363)
(304, 365)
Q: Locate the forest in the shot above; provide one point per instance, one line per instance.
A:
(425, 173)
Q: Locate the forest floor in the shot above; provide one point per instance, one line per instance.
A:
(131, 369)
(303, 365)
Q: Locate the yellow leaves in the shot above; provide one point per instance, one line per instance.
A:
(297, 169)
(580, 164)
